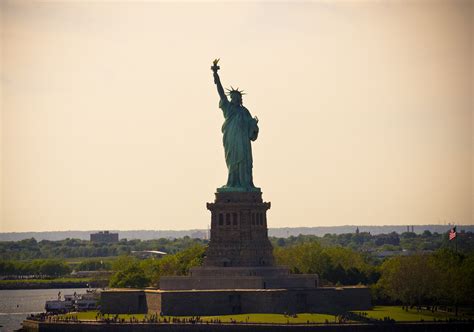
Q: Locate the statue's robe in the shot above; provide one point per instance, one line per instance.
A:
(239, 129)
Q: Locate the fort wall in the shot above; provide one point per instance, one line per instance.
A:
(235, 301)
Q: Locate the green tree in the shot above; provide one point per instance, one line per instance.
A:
(307, 257)
(131, 272)
(54, 268)
(128, 274)
(455, 285)
(152, 270)
(409, 279)
(93, 265)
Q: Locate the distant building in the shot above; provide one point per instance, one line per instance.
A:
(105, 237)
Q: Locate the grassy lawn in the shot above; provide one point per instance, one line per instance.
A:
(378, 312)
(400, 315)
(274, 318)
(250, 318)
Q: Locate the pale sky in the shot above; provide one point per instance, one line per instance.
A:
(110, 116)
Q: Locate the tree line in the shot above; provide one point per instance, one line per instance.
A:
(366, 242)
(363, 241)
(73, 248)
(335, 265)
(38, 268)
(445, 277)
(48, 268)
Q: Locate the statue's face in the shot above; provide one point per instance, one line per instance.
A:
(236, 98)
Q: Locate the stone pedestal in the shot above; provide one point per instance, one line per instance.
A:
(239, 273)
(239, 233)
(240, 255)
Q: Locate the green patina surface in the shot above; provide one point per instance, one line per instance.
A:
(238, 130)
(225, 189)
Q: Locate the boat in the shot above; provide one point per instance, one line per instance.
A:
(74, 302)
(59, 306)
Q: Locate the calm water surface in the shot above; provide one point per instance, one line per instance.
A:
(15, 305)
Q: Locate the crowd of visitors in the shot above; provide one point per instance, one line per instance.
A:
(349, 317)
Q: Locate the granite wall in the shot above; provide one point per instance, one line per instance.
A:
(224, 302)
(123, 301)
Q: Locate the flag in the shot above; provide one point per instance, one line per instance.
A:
(452, 234)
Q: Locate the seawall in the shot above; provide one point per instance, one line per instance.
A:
(34, 326)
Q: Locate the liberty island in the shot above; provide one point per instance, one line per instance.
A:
(239, 274)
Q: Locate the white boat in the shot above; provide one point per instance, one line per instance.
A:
(74, 302)
(59, 306)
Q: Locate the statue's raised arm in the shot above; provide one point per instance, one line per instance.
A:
(217, 80)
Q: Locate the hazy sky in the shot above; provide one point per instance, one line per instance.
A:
(110, 116)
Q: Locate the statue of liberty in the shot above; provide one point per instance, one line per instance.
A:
(239, 129)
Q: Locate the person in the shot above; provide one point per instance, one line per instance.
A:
(239, 129)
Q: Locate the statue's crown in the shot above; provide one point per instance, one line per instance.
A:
(232, 91)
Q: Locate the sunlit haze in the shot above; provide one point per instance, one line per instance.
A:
(110, 116)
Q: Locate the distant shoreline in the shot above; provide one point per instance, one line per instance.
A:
(12, 285)
(203, 233)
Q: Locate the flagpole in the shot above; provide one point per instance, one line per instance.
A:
(455, 239)
(456, 243)
(453, 236)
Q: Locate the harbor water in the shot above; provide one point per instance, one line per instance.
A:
(16, 305)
